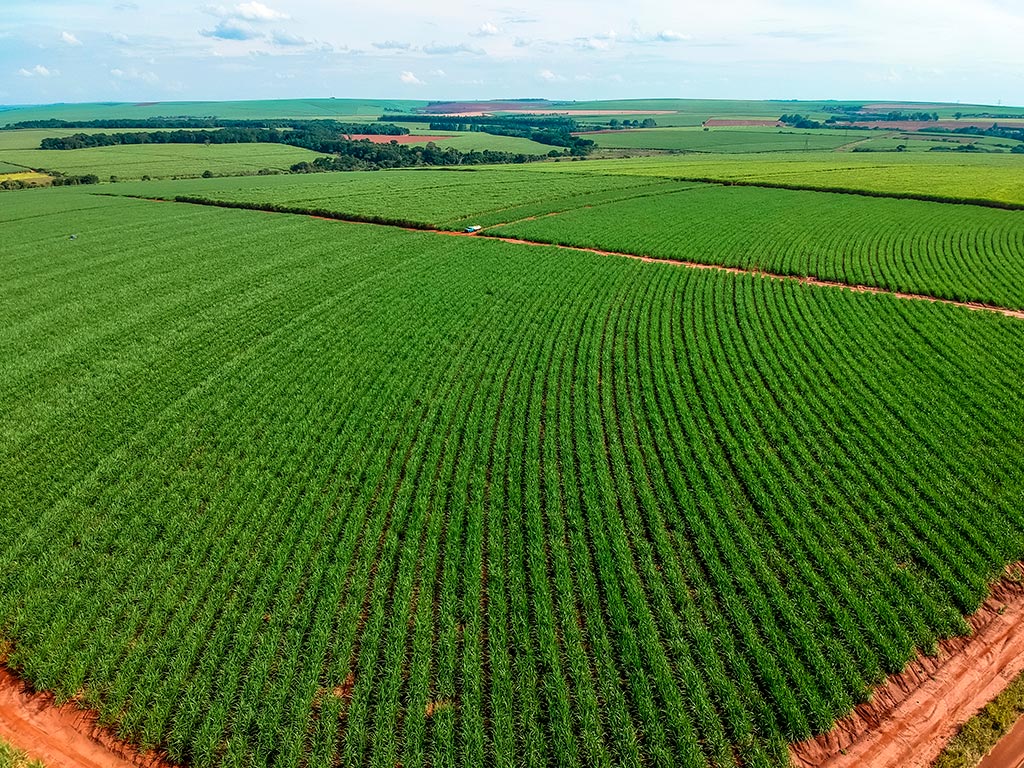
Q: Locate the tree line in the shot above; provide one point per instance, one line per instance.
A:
(552, 130)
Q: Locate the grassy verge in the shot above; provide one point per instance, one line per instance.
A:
(11, 757)
(985, 729)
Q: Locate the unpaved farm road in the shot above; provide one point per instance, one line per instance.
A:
(62, 737)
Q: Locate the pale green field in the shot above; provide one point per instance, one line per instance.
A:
(722, 140)
(29, 138)
(161, 160)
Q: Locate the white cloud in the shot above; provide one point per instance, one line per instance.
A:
(256, 11)
(410, 79)
(436, 49)
(136, 75)
(438, 73)
(669, 36)
(69, 38)
(486, 30)
(392, 45)
(38, 71)
(548, 76)
(230, 29)
(288, 40)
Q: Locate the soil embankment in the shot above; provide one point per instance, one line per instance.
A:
(62, 736)
(913, 714)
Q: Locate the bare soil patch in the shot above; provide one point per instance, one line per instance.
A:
(913, 714)
(63, 736)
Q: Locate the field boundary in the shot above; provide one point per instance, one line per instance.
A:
(62, 736)
(403, 224)
(913, 714)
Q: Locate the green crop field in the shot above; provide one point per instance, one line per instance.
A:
(441, 198)
(946, 174)
(159, 160)
(10, 757)
(968, 253)
(722, 140)
(278, 490)
(961, 252)
(284, 491)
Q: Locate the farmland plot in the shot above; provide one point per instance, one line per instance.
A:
(279, 491)
(965, 253)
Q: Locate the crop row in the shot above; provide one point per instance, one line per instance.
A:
(279, 492)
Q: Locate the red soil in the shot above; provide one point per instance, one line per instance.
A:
(64, 736)
(1009, 752)
(716, 122)
(411, 138)
(912, 716)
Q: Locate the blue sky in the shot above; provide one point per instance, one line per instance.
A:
(152, 50)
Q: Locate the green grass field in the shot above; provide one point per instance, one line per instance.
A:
(722, 140)
(279, 490)
(160, 160)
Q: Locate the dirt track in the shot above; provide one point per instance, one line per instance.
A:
(1009, 752)
(65, 736)
(912, 716)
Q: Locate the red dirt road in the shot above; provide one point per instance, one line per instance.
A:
(65, 736)
(1009, 752)
(912, 716)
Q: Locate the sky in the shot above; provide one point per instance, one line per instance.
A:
(967, 51)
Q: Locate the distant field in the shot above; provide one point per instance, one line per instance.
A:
(281, 108)
(728, 140)
(161, 160)
(436, 197)
(954, 175)
(30, 138)
(917, 142)
(957, 252)
(17, 174)
(279, 491)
